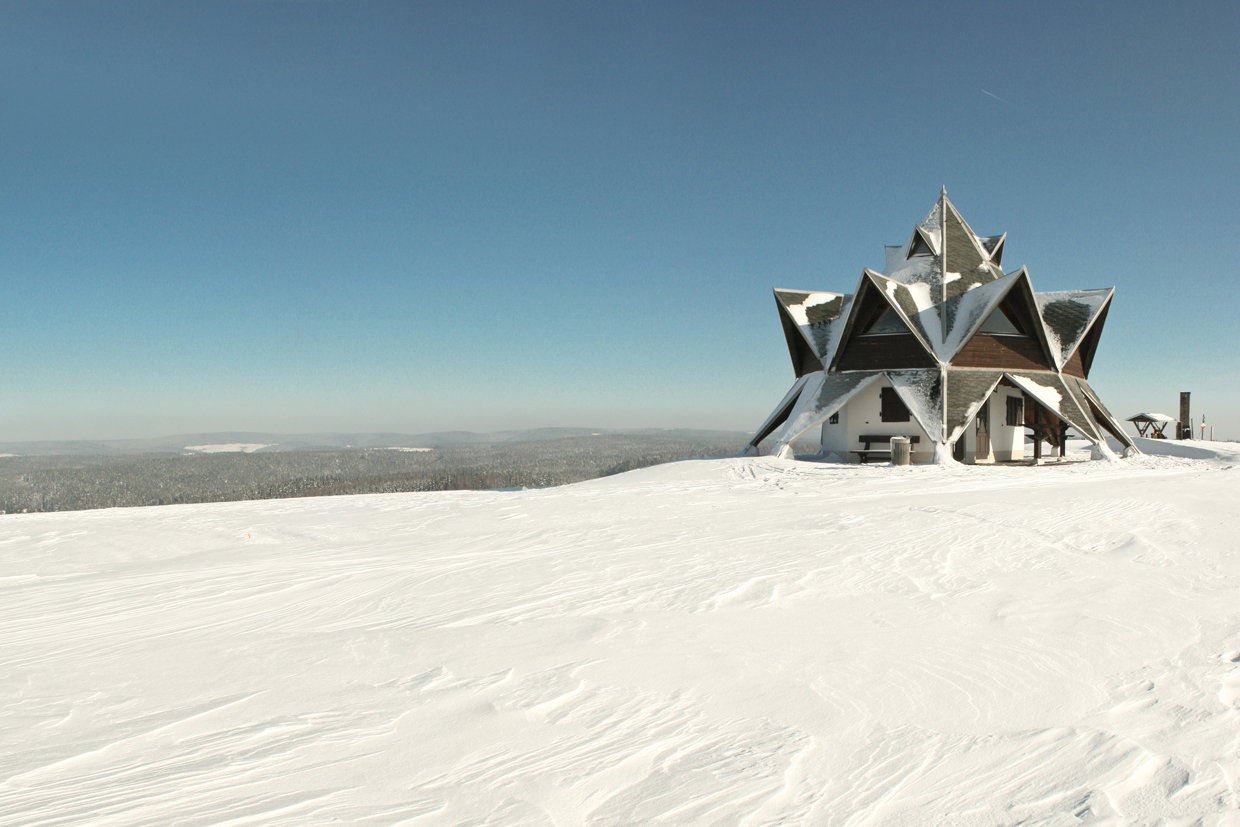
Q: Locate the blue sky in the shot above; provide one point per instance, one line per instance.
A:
(347, 216)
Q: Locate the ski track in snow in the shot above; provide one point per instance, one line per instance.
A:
(731, 642)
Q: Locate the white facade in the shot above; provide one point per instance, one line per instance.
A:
(861, 415)
(1006, 442)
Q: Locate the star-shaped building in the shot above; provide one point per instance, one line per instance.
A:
(945, 348)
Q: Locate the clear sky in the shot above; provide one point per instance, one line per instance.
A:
(314, 216)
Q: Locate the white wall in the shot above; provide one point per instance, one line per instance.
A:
(861, 416)
(1006, 442)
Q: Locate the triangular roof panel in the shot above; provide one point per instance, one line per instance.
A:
(1023, 302)
(1069, 315)
(1101, 413)
(971, 309)
(993, 244)
(921, 391)
(966, 263)
(780, 414)
(922, 243)
(823, 395)
(967, 391)
(1050, 390)
(910, 302)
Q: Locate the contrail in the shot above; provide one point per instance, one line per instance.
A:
(996, 97)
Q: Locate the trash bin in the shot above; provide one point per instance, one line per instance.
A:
(901, 450)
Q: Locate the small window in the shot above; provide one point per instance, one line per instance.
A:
(1015, 411)
(920, 247)
(835, 419)
(887, 324)
(893, 408)
(999, 323)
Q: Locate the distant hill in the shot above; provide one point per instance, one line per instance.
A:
(271, 442)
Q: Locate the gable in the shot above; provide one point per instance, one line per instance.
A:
(1072, 319)
(919, 246)
(893, 347)
(804, 360)
(1024, 350)
(1089, 345)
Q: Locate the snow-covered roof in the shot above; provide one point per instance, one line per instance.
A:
(944, 284)
(1152, 417)
(949, 278)
(815, 315)
(1068, 315)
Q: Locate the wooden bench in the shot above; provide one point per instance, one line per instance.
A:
(866, 454)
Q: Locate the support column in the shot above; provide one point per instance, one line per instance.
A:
(1037, 432)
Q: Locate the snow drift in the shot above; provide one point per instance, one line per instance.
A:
(749, 641)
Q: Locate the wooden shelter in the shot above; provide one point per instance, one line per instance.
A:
(944, 346)
(1152, 425)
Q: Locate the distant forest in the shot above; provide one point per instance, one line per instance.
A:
(67, 483)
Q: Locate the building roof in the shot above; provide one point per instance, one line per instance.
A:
(944, 283)
(918, 323)
(1152, 417)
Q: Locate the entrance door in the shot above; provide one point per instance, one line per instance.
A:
(983, 432)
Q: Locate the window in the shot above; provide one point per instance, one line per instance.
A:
(1000, 324)
(892, 408)
(1015, 411)
(835, 419)
(887, 324)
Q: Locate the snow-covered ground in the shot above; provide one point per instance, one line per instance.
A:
(228, 447)
(741, 641)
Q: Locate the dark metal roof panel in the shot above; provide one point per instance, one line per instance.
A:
(967, 389)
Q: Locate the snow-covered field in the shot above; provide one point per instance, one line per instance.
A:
(228, 447)
(742, 641)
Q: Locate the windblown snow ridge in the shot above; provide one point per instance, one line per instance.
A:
(717, 642)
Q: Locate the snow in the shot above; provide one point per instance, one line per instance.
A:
(1226, 452)
(228, 447)
(710, 642)
(932, 226)
(799, 312)
(401, 448)
(920, 292)
(1153, 417)
(822, 336)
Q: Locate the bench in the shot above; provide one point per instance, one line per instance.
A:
(866, 454)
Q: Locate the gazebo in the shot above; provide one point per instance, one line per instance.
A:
(945, 348)
(1152, 424)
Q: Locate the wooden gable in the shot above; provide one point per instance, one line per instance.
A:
(859, 350)
(1025, 350)
(1089, 344)
(804, 359)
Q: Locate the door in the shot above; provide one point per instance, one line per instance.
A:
(983, 432)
